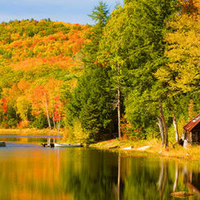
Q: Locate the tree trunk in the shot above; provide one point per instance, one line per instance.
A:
(119, 176)
(163, 123)
(176, 179)
(54, 124)
(59, 125)
(160, 181)
(48, 118)
(118, 105)
(159, 123)
(175, 127)
(164, 181)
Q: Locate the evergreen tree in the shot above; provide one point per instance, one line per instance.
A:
(91, 103)
(100, 15)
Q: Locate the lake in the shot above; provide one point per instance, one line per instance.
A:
(29, 171)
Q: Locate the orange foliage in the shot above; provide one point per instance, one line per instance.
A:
(23, 85)
(34, 46)
(38, 99)
(190, 7)
(65, 62)
(23, 124)
(29, 63)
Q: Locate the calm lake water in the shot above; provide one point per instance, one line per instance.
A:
(29, 171)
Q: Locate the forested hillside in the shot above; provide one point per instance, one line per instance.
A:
(134, 74)
(40, 64)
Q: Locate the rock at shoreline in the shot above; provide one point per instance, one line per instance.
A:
(143, 148)
(128, 148)
(2, 144)
(181, 194)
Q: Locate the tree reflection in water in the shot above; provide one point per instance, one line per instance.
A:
(88, 174)
(147, 178)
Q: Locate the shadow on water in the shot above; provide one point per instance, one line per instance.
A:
(29, 171)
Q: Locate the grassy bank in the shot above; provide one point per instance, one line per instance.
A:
(29, 132)
(152, 147)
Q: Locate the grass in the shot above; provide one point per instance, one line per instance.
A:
(177, 152)
(35, 132)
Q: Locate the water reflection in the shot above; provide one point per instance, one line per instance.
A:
(43, 173)
(157, 179)
(30, 138)
(29, 171)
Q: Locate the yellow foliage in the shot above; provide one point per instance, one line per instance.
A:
(76, 134)
(183, 69)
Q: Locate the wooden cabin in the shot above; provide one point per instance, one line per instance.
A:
(192, 131)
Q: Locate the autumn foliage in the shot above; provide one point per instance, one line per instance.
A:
(140, 62)
(39, 62)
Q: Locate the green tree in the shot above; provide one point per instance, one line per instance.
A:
(91, 103)
(133, 46)
(180, 74)
(100, 15)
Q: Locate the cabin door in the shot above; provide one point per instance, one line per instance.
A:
(197, 137)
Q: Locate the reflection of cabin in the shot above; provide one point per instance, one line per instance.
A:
(192, 131)
(193, 183)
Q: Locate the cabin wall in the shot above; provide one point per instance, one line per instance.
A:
(194, 137)
(189, 137)
(192, 131)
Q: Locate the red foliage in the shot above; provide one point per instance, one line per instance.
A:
(56, 114)
(51, 38)
(57, 98)
(56, 117)
(4, 105)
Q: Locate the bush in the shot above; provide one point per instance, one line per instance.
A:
(12, 123)
(23, 124)
(40, 122)
(77, 134)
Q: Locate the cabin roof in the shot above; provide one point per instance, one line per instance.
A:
(192, 123)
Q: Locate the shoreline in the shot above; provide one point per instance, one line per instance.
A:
(150, 148)
(130, 148)
(30, 131)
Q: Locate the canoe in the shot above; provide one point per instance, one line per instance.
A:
(67, 145)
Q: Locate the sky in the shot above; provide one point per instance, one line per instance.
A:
(70, 11)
